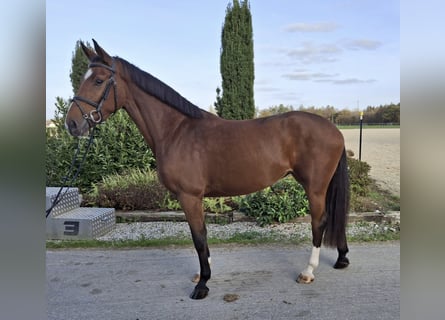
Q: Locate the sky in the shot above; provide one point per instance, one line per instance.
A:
(342, 53)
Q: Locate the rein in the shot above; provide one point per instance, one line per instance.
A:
(95, 116)
(59, 195)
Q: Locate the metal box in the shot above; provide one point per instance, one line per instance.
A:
(70, 221)
(69, 200)
(81, 223)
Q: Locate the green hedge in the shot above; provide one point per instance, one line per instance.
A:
(359, 178)
(140, 189)
(281, 202)
(134, 189)
(118, 146)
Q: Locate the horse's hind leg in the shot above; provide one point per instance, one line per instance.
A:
(342, 248)
(316, 204)
(192, 207)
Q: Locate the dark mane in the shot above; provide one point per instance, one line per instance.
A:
(160, 90)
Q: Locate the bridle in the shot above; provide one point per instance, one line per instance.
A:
(95, 115)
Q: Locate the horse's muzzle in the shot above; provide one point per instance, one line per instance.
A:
(77, 130)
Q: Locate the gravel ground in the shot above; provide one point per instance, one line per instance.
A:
(286, 231)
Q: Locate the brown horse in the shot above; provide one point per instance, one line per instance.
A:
(201, 155)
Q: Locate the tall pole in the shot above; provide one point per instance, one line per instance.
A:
(360, 143)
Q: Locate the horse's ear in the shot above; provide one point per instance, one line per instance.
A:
(102, 53)
(88, 52)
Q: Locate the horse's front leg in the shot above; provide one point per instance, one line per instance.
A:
(193, 210)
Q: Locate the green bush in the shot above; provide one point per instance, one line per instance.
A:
(213, 205)
(281, 202)
(137, 189)
(287, 199)
(134, 189)
(359, 178)
(118, 145)
(219, 205)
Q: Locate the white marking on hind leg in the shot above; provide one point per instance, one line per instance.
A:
(307, 275)
(197, 276)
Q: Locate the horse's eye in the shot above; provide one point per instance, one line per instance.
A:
(99, 82)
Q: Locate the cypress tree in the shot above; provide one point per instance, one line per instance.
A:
(236, 64)
(79, 65)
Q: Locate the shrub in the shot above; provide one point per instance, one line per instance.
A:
(135, 189)
(359, 179)
(287, 199)
(117, 146)
(281, 202)
(138, 189)
(219, 205)
(213, 205)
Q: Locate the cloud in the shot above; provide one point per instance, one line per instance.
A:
(312, 53)
(347, 81)
(309, 52)
(311, 27)
(362, 44)
(308, 76)
(320, 77)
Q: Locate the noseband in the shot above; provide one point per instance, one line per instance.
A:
(95, 115)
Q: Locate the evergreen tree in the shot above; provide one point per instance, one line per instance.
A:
(79, 65)
(236, 64)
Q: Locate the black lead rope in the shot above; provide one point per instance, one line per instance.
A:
(59, 195)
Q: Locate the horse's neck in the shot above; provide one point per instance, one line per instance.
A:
(155, 120)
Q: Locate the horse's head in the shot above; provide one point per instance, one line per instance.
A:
(97, 97)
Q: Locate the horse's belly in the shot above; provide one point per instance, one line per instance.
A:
(239, 182)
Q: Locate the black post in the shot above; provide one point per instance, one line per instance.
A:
(360, 143)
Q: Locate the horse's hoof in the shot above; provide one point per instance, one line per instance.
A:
(305, 278)
(199, 293)
(196, 278)
(341, 263)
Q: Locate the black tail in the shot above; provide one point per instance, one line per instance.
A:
(337, 206)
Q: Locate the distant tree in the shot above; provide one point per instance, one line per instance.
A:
(281, 108)
(372, 115)
(236, 100)
(383, 114)
(391, 114)
(329, 113)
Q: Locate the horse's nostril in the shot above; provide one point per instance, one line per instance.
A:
(71, 126)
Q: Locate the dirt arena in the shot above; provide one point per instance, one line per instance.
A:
(381, 150)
